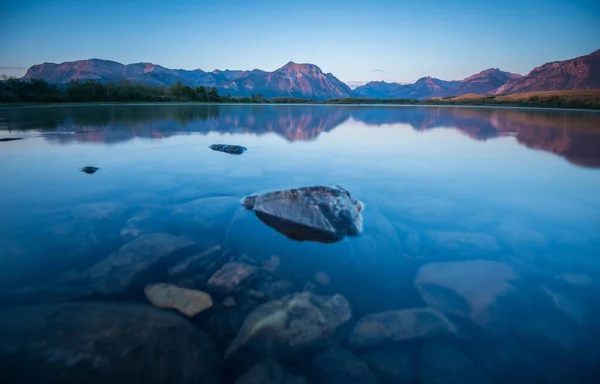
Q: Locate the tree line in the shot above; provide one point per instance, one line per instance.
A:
(13, 90)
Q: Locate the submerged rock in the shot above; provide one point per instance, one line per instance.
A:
(443, 364)
(322, 214)
(392, 364)
(89, 170)
(228, 148)
(128, 266)
(231, 277)
(290, 325)
(276, 289)
(196, 263)
(337, 365)
(187, 301)
(401, 325)
(269, 372)
(229, 302)
(103, 343)
(477, 289)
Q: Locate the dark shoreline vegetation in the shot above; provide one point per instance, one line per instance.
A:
(16, 91)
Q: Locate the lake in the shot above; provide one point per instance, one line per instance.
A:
(478, 261)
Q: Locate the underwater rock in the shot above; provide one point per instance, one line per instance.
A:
(196, 263)
(394, 363)
(269, 372)
(227, 148)
(322, 278)
(442, 364)
(321, 214)
(401, 325)
(207, 217)
(147, 220)
(89, 170)
(3, 139)
(276, 289)
(187, 301)
(337, 365)
(571, 308)
(477, 289)
(231, 277)
(290, 325)
(454, 244)
(229, 302)
(128, 266)
(104, 343)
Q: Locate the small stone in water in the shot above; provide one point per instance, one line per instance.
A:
(272, 264)
(227, 148)
(89, 170)
(322, 278)
(229, 302)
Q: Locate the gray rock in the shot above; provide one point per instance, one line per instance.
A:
(443, 364)
(401, 325)
(323, 214)
(231, 277)
(392, 364)
(187, 301)
(276, 289)
(452, 244)
(472, 289)
(103, 343)
(104, 210)
(196, 263)
(128, 266)
(228, 148)
(337, 365)
(290, 325)
(269, 372)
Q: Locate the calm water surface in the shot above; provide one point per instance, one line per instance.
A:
(491, 216)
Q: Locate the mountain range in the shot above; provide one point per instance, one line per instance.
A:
(309, 81)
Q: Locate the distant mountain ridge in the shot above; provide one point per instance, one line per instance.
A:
(308, 81)
(291, 80)
(428, 87)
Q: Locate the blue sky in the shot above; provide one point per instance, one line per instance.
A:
(356, 40)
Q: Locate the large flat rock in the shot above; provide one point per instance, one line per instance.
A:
(103, 343)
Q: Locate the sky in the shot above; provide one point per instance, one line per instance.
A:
(356, 40)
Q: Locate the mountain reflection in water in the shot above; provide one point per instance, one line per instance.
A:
(571, 134)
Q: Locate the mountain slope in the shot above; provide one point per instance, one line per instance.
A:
(291, 80)
(484, 82)
(579, 73)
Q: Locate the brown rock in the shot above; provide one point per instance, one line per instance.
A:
(187, 301)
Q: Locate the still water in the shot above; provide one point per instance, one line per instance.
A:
(479, 259)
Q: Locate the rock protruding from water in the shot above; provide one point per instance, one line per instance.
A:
(401, 325)
(104, 343)
(231, 277)
(187, 301)
(2, 139)
(337, 365)
(290, 325)
(228, 148)
(269, 372)
(443, 364)
(321, 214)
(89, 170)
(130, 264)
(471, 289)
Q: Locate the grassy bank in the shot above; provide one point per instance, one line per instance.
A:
(584, 99)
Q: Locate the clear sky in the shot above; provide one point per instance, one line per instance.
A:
(356, 40)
